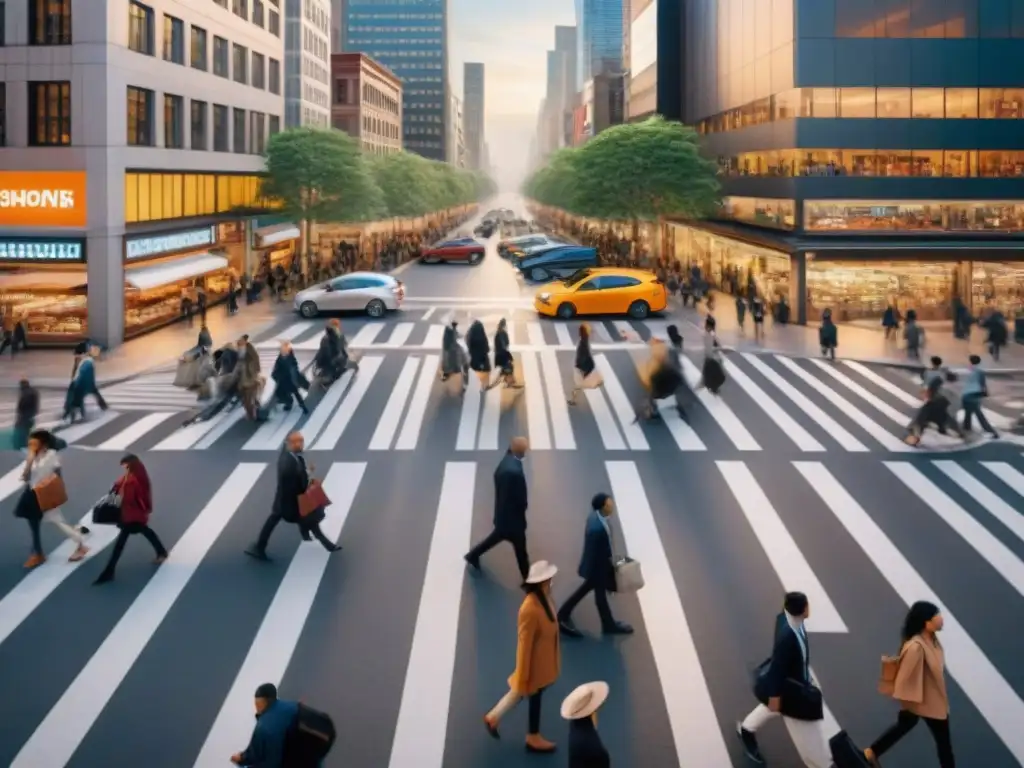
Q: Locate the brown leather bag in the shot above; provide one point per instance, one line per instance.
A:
(313, 499)
(51, 493)
(887, 676)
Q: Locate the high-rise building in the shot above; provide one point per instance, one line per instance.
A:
(366, 102)
(870, 153)
(132, 143)
(411, 39)
(655, 65)
(473, 104)
(307, 63)
(599, 26)
(456, 134)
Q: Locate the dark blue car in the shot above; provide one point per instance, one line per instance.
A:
(556, 260)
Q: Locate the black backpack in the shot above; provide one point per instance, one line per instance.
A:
(310, 739)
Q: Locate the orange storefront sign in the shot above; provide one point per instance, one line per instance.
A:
(42, 199)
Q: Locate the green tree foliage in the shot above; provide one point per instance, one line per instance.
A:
(637, 171)
(413, 185)
(321, 175)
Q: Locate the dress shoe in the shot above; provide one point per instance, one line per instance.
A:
(566, 627)
(257, 554)
(618, 628)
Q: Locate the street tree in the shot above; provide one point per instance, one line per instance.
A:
(555, 183)
(408, 184)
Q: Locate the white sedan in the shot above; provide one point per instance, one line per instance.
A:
(371, 292)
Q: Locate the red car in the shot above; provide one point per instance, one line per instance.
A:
(461, 249)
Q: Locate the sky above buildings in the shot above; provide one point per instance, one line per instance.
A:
(511, 38)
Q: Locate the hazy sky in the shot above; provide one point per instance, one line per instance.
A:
(511, 38)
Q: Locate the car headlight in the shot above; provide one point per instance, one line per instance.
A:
(545, 297)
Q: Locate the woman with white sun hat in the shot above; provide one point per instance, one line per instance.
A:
(580, 709)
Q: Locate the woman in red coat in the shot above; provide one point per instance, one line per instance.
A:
(136, 506)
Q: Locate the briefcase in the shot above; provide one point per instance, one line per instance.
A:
(51, 493)
(313, 499)
(628, 576)
(846, 754)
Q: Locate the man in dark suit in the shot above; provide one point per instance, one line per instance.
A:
(509, 508)
(292, 481)
(597, 569)
(786, 686)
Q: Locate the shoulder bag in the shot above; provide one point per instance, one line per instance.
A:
(50, 493)
(887, 675)
(107, 511)
(312, 499)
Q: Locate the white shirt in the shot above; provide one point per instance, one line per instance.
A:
(797, 625)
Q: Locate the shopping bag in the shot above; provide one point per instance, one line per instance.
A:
(887, 675)
(51, 493)
(313, 499)
(187, 373)
(628, 577)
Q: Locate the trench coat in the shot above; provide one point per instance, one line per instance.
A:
(538, 654)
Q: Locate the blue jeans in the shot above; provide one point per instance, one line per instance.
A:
(972, 407)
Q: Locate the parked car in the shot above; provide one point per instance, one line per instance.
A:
(519, 246)
(605, 291)
(486, 228)
(374, 293)
(467, 249)
(555, 260)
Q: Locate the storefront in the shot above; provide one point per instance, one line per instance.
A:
(275, 244)
(43, 282)
(160, 270)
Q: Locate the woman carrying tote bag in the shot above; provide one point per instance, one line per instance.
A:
(43, 495)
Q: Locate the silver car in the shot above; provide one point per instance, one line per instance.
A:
(371, 292)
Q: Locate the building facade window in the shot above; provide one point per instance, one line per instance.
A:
(240, 64)
(221, 62)
(240, 8)
(197, 121)
(3, 114)
(259, 71)
(163, 196)
(257, 132)
(221, 132)
(197, 52)
(883, 163)
(238, 132)
(140, 117)
(174, 117)
(274, 23)
(49, 114)
(273, 125)
(140, 28)
(1001, 103)
(257, 13)
(274, 77)
(3, 23)
(49, 22)
(174, 40)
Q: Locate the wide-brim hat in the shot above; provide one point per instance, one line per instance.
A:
(585, 700)
(540, 572)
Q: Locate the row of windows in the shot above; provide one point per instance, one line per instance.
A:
(241, 9)
(417, 131)
(932, 19)
(314, 70)
(314, 44)
(380, 127)
(227, 128)
(49, 113)
(256, 70)
(947, 103)
(400, 52)
(162, 196)
(315, 15)
(375, 97)
(915, 215)
(398, 16)
(949, 163)
(315, 96)
(49, 22)
(389, 39)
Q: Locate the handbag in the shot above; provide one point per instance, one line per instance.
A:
(887, 675)
(107, 511)
(312, 499)
(628, 576)
(51, 493)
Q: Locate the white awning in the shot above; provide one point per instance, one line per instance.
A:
(155, 275)
(277, 234)
(43, 279)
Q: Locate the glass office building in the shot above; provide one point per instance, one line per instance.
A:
(599, 39)
(871, 151)
(409, 37)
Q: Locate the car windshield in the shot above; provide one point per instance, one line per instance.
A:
(576, 277)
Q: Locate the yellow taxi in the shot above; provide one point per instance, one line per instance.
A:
(603, 291)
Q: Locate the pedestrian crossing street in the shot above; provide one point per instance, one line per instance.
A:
(141, 650)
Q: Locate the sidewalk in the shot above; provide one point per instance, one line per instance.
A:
(51, 368)
(864, 345)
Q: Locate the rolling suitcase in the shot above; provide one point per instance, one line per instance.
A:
(846, 754)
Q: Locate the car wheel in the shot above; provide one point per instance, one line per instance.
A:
(566, 311)
(430, 261)
(475, 258)
(376, 308)
(308, 309)
(539, 274)
(638, 310)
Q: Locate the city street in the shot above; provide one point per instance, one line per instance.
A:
(796, 478)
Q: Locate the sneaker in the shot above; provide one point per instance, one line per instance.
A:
(749, 741)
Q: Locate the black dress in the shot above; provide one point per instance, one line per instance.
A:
(479, 350)
(502, 355)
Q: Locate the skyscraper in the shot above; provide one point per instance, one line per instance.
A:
(473, 112)
(307, 63)
(409, 37)
(598, 40)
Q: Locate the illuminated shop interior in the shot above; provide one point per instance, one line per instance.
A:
(51, 301)
(914, 215)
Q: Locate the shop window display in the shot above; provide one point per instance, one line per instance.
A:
(872, 215)
(998, 285)
(918, 163)
(861, 291)
(148, 309)
(767, 212)
(52, 304)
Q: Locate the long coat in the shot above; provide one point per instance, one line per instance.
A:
(136, 506)
(585, 747)
(510, 497)
(538, 655)
(920, 684)
(292, 482)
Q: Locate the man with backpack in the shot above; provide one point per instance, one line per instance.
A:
(287, 734)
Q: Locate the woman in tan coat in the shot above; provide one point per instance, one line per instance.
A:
(538, 657)
(920, 685)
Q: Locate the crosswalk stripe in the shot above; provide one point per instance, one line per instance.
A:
(562, 335)
(428, 314)
(789, 563)
(976, 535)
(490, 421)
(691, 712)
(469, 418)
(786, 423)
(879, 433)
(684, 435)
(1007, 474)
(994, 698)
(270, 435)
(535, 334)
(826, 422)
(536, 417)
(275, 642)
(361, 383)
(897, 417)
(135, 431)
(980, 493)
(435, 337)
(730, 423)
(400, 334)
(883, 383)
(11, 482)
(561, 425)
(384, 435)
(65, 726)
(318, 419)
(422, 725)
(624, 411)
(409, 437)
(366, 335)
(606, 426)
(83, 429)
(600, 333)
(294, 331)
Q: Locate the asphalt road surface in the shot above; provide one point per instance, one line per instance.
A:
(794, 479)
